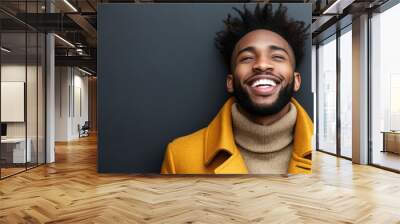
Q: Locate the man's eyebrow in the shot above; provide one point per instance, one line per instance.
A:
(251, 49)
(272, 48)
(277, 48)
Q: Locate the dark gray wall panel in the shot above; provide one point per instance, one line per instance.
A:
(160, 77)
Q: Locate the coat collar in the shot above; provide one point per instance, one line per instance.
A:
(219, 137)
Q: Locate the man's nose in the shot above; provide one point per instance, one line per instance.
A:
(262, 64)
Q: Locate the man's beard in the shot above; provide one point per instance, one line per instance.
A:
(245, 102)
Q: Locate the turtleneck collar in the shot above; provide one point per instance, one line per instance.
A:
(263, 138)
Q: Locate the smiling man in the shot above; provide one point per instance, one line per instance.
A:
(261, 129)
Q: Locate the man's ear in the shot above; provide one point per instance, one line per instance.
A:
(229, 83)
(297, 81)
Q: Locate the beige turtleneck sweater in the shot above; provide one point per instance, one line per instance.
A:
(266, 149)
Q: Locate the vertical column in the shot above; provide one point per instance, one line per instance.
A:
(338, 91)
(50, 92)
(360, 90)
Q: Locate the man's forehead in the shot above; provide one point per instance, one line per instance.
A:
(264, 39)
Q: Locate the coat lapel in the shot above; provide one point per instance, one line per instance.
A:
(302, 147)
(219, 138)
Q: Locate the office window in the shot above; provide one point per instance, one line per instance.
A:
(327, 95)
(385, 89)
(346, 92)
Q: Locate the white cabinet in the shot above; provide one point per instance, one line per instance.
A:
(18, 149)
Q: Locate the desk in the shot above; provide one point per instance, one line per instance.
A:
(391, 141)
(16, 147)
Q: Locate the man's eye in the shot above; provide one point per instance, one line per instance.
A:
(246, 59)
(278, 57)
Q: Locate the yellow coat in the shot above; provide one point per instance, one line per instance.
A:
(212, 150)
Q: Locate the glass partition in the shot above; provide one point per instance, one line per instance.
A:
(385, 89)
(22, 88)
(14, 153)
(31, 100)
(327, 95)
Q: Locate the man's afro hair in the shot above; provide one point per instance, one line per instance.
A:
(294, 32)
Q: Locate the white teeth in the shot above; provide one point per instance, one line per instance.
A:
(267, 82)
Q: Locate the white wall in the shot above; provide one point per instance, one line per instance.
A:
(62, 81)
(71, 102)
(81, 104)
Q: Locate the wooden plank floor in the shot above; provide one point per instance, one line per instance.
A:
(71, 191)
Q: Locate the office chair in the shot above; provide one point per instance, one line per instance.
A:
(84, 130)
